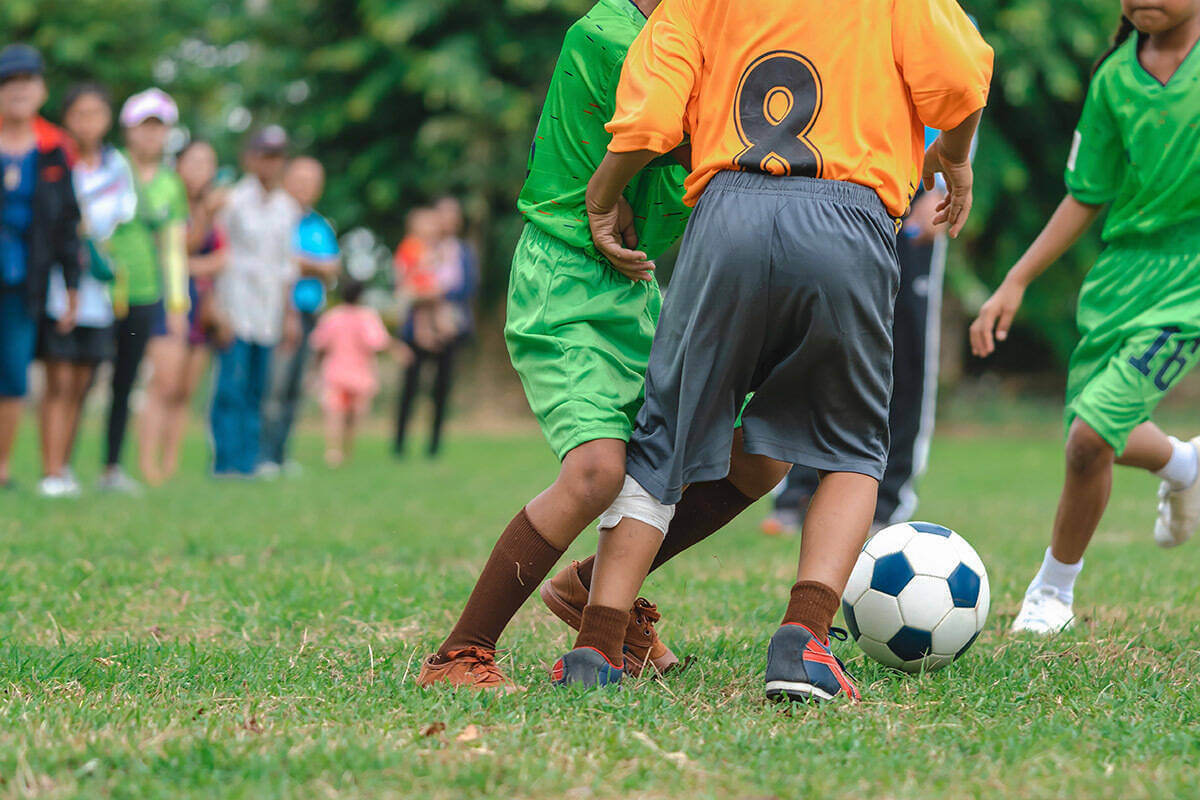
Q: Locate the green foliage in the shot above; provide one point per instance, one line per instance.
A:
(1044, 53)
(407, 99)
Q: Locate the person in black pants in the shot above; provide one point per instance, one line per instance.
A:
(922, 253)
(458, 294)
(443, 379)
(133, 333)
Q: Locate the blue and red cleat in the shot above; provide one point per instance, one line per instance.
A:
(802, 667)
(585, 666)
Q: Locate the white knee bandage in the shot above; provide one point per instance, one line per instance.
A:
(634, 502)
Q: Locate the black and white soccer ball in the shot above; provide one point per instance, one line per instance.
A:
(917, 598)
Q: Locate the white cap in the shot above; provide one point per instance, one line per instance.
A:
(150, 104)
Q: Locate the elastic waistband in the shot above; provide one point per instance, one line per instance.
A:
(537, 235)
(1183, 239)
(851, 194)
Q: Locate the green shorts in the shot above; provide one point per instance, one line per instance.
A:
(579, 336)
(1139, 325)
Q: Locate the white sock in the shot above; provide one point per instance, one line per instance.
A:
(1180, 471)
(1058, 575)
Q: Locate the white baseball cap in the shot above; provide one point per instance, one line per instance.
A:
(150, 104)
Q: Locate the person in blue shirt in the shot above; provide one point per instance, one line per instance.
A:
(318, 257)
(39, 228)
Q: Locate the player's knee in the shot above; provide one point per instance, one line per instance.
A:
(596, 478)
(1086, 450)
(755, 476)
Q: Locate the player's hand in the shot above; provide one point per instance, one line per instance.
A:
(955, 207)
(614, 236)
(995, 318)
(920, 221)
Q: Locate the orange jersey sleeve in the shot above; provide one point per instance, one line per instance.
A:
(945, 63)
(654, 95)
(798, 88)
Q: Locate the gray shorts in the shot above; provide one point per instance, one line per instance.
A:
(784, 289)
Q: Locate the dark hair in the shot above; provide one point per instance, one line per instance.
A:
(83, 90)
(351, 290)
(191, 143)
(1124, 30)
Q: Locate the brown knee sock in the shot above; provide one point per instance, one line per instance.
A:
(604, 629)
(520, 561)
(813, 605)
(703, 510)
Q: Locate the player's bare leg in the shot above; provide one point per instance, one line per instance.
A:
(590, 479)
(800, 663)
(1178, 464)
(835, 529)
(625, 555)
(705, 508)
(1047, 607)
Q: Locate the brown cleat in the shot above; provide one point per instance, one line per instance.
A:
(565, 596)
(472, 667)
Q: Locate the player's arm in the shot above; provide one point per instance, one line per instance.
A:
(683, 154)
(656, 83)
(610, 228)
(947, 67)
(1065, 227)
(950, 155)
(1095, 171)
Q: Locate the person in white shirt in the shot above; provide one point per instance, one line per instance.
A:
(259, 219)
(107, 196)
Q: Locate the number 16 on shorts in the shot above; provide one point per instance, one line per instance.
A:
(1182, 358)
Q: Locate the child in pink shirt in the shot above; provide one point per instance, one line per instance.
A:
(348, 337)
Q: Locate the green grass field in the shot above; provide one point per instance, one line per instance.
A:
(260, 641)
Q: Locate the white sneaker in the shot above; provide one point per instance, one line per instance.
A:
(118, 480)
(267, 470)
(1178, 510)
(55, 486)
(1043, 612)
(74, 487)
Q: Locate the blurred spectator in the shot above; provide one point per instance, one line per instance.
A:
(436, 270)
(260, 219)
(179, 363)
(39, 221)
(347, 339)
(150, 290)
(316, 255)
(107, 198)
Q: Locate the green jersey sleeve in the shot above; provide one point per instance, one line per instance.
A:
(608, 100)
(1096, 165)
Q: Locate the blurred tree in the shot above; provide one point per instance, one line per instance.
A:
(407, 99)
(1044, 54)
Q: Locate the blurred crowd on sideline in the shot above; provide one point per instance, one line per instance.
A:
(157, 263)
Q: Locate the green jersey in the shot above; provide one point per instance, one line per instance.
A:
(135, 245)
(571, 141)
(1138, 147)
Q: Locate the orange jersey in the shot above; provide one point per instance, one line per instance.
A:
(839, 91)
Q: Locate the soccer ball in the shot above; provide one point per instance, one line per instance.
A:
(917, 597)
